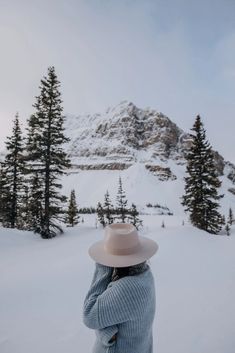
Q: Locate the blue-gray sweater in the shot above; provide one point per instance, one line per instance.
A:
(125, 306)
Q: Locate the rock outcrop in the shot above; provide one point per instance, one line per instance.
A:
(126, 134)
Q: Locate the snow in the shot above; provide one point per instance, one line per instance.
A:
(139, 184)
(44, 282)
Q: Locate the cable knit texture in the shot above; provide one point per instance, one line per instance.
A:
(125, 307)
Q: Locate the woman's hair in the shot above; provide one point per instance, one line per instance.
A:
(119, 272)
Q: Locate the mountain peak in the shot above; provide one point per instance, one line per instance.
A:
(125, 132)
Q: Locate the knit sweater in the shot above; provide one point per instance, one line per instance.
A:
(125, 307)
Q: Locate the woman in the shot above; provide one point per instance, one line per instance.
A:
(120, 304)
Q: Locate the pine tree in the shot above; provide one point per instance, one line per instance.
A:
(100, 214)
(163, 224)
(46, 155)
(121, 203)
(108, 209)
(5, 197)
(35, 203)
(227, 229)
(72, 213)
(134, 216)
(22, 221)
(230, 217)
(223, 219)
(13, 169)
(201, 195)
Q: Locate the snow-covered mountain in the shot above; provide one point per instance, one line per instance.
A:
(126, 134)
(143, 146)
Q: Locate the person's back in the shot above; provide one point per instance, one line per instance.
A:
(125, 307)
(120, 304)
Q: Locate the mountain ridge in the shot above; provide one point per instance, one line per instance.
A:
(125, 134)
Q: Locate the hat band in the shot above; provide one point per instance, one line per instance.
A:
(125, 251)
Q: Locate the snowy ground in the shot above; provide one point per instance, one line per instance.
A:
(44, 282)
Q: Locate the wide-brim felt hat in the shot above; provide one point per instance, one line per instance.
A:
(122, 246)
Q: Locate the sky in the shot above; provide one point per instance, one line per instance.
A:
(175, 56)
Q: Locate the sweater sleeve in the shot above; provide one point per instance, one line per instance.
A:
(107, 305)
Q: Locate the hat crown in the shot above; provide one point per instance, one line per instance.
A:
(121, 239)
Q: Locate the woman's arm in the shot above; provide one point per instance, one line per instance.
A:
(107, 335)
(101, 279)
(105, 305)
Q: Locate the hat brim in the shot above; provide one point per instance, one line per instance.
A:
(148, 248)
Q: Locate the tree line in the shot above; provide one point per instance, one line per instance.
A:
(30, 197)
(107, 213)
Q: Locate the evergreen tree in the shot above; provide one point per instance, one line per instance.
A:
(230, 217)
(121, 203)
(133, 216)
(13, 169)
(46, 155)
(35, 203)
(201, 195)
(5, 197)
(223, 219)
(100, 214)
(72, 213)
(227, 229)
(108, 209)
(22, 221)
(163, 224)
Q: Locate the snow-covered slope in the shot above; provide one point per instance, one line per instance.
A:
(44, 282)
(140, 185)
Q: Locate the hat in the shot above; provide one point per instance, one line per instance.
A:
(122, 246)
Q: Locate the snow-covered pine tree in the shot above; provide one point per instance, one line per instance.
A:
(35, 203)
(72, 217)
(45, 153)
(201, 194)
(133, 216)
(34, 176)
(100, 214)
(108, 209)
(223, 219)
(5, 197)
(13, 171)
(227, 229)
(22, 222)
(230, 216)
(121, 203)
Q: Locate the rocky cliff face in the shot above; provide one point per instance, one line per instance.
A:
(126, 134)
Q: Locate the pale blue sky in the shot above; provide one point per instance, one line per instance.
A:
(175, 56)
